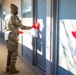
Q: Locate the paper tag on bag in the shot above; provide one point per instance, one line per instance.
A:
(34, 33)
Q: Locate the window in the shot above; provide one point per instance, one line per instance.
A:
(26, 8)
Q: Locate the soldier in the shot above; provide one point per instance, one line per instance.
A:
(12, 23)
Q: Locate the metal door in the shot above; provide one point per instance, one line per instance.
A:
(41, 39)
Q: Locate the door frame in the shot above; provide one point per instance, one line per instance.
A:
(54, 36)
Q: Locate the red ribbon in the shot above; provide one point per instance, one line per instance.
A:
(36, 26)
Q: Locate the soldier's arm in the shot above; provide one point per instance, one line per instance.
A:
(17, 22)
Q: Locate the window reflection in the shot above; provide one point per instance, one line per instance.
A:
(26, 8)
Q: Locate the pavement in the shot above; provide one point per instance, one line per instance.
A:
(22, 66)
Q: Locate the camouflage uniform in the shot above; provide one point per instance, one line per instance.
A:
(12, 23)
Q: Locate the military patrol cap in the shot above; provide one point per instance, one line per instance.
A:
(13, 8)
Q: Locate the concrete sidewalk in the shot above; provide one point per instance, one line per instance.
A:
(22, 66)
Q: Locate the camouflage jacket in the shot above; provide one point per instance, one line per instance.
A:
(12, 23)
